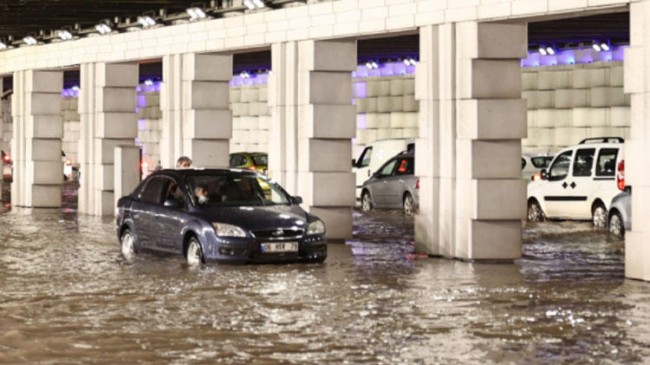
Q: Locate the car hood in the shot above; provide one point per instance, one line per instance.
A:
(258, 217)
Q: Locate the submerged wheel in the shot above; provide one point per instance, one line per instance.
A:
(599, 215)
(127, 242)
(535, 212)
(616, 226)
(366, 202)
(408, 204)
(194, 252)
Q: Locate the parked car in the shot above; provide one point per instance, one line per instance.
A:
(375, 155)
(256, 161)
(233, 222)
(580, 182)
(393, 186)
(620, 214)
(7, 167)
(532, 165)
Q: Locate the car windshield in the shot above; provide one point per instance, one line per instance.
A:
(260, 160)
(236, 190)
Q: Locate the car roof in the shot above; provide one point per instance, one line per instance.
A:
(195, 171)
(250, 153)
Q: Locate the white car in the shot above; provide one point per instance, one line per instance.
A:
(580, 182)
(532, 165)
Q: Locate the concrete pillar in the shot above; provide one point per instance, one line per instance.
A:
(107, 101)
(197, 121)
(472, 119)
(36, 142)
(313, 121)
(637, 147)
(127, 170)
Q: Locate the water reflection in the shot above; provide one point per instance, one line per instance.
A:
(67, 296)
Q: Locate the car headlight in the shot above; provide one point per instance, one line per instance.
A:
(316, 227)
(228, 230)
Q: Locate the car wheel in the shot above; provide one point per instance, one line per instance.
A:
(194, 252)
(616, 226)
(599, 216)
(127, 242)
(366, 202)
(408, 204)
(535, 212)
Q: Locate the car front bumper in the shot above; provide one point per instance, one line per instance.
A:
(249, 250)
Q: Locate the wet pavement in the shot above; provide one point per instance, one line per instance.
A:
(67, 297)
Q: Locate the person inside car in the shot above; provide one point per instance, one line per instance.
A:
(201, 194)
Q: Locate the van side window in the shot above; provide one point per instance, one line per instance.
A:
(583, 162)
(364, 159)
(606, 165)
(560, 168)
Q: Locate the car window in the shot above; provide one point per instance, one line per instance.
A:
(560, 167)
(606, 165)
(234, 160)
(153, 191)
(238, 190)
(583, 162)
(405, 167)
(387, 169)
(365, 157)
(541, 162)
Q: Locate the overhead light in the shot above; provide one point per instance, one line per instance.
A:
(103, 28)
(550, 50)
(195, 13)
(148, 82)
(542, 51)
(64, 35)
(146, 21)
(30, 41)
(409, 62)
(3, 45)
(604, 47)
(254, 4)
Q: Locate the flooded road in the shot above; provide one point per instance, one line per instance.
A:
(67, 297)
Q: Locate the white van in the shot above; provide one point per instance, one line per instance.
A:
(580, 182)
(376, 154)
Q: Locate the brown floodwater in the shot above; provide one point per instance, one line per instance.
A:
(67, 297)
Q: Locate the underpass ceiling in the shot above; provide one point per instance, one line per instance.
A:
(21, 17)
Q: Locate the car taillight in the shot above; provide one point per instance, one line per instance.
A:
(620, 175)
(417, 184)
(7, 158)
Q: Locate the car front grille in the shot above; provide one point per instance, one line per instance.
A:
(279, 234)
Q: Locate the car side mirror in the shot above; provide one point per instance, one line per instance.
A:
(544, 174)
(296, 200)
(171, 203)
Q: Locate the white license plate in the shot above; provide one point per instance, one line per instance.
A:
(271, 247)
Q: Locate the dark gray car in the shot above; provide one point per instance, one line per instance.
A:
(620, 216)
(218, 215)
(393, 186)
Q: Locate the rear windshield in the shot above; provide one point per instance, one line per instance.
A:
(236, 190)
(541, 162)
(261, 160)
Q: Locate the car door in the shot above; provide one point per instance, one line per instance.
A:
(380, 190)
(604, 179)
(580, 187)
(554, 191)
(144, 212)
(362, 168)
(170, 219)
(397, 182)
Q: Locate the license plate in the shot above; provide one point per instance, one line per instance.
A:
(272, 247)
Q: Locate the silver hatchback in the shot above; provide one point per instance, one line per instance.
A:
(393, 186)
(619, 215)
